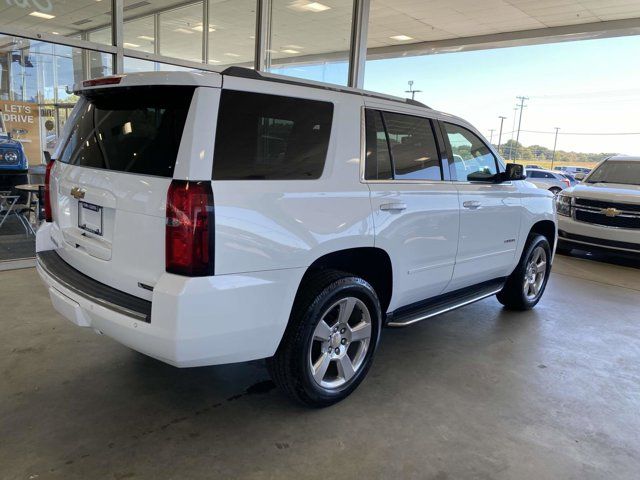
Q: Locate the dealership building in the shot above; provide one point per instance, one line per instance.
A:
(478, 391)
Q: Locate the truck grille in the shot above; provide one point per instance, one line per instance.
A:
(608, 214)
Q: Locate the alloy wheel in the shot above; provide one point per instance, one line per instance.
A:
(535, 273)
(340, 343)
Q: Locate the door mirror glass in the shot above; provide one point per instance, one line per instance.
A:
(514, 171)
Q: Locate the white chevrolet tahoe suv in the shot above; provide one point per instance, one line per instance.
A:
(205, 218)
(603, 212)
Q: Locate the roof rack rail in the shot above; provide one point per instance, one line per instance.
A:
(243, 72)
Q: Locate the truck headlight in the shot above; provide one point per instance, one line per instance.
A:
(11, 157)
(563, 205)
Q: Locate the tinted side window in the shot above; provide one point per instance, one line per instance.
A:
(533, 174)
(270, 137)
(470, 154)
(413, 147)
(377, 160)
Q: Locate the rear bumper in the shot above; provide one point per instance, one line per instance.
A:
(193, 321)
(587, 236)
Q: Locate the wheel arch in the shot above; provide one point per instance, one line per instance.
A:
(546, 228)
(370, 263)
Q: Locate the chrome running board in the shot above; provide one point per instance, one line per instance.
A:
(443, 303)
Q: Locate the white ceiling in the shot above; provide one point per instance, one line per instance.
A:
(447, 19)
(300, 29)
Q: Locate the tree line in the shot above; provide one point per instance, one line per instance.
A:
(532, 153)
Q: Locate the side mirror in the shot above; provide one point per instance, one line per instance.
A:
(514, 171)
(579, 176)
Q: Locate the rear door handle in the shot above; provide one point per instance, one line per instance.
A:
(393, 206)
(472, 204)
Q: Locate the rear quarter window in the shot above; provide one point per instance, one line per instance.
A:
(271, 137)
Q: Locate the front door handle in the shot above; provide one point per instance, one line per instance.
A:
(393, 207)
(472, 204)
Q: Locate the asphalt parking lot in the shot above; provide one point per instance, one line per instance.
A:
(476, 393)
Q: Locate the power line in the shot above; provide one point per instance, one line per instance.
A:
(584, 133)
(575, 133)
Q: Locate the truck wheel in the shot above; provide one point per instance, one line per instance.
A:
(330, 341)
(526, 284)
(563, 249)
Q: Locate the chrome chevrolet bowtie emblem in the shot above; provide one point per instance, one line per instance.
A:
(77, 192)
(611, 212)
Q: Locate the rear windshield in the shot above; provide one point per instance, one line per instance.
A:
(135, 130)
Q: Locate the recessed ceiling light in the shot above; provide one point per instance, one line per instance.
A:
(183, 30)
(295, 47)
(46, 16)
(305, 6)
(401, 38)
(213, 61)
(146, 37)
(55, 33)
(289, 50)
(130, 45)
(228, 54)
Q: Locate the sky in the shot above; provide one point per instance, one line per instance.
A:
(589, 86)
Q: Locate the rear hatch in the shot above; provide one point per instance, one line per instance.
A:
(110, 180)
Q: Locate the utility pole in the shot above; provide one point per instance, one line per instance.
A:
(500, 134)
(513, 130)
(412, 91)
(555, 142)
(522, 105)
(491, 135)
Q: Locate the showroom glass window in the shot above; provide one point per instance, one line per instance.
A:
(271, 137)
(470, 154)
(311, 30)
(54, 17)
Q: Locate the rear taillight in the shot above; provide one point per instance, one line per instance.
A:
(48, 215)
(189, 230)
(566, 182)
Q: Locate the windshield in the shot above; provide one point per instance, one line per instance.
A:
(616, 171)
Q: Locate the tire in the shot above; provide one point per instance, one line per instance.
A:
(303, 367)
(525, 286)
(555, 190)
(563, 249)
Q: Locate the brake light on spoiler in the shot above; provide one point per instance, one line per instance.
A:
(97, 82)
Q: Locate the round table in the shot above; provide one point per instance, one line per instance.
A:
(30, 187)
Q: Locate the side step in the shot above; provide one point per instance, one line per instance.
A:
(443, 303)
